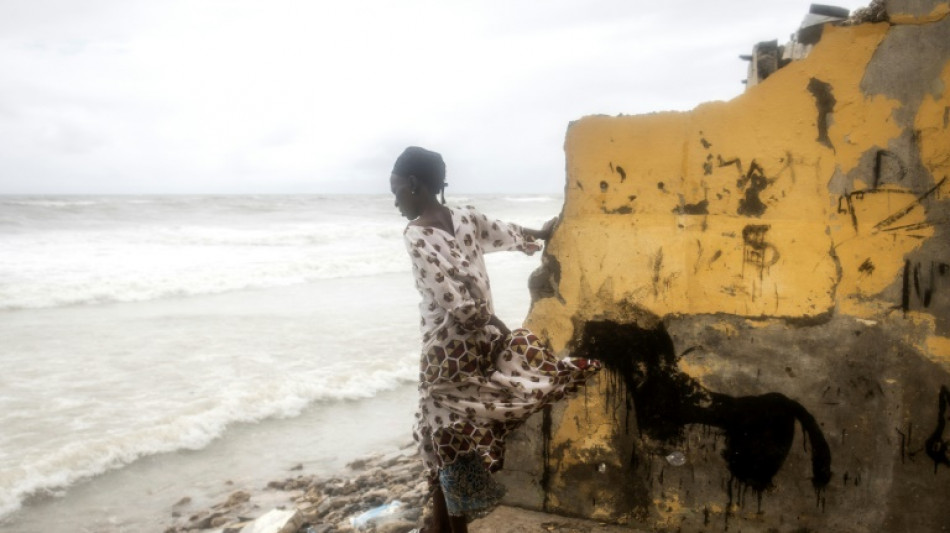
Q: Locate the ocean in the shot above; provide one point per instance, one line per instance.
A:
(161, 347)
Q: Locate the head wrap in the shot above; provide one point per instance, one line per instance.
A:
(427, 166)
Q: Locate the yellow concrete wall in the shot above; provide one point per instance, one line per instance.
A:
(830, 238)
(620, 232)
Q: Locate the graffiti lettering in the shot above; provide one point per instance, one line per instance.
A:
(758, 253)
(887, 223)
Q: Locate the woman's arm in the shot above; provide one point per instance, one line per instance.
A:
(544, 233)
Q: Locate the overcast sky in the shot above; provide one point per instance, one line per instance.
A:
(313, 96)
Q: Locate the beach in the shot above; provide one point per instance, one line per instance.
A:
(157, 348)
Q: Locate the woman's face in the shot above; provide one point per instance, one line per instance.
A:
(407, 202)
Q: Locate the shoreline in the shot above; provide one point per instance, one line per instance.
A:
(312, 503)
(139, 496)
(391, 485)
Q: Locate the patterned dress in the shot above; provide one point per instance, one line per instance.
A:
(476, 385)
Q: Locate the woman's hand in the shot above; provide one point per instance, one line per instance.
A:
(545, 232)
(495, 321)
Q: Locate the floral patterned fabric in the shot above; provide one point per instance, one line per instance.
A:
(476, 385)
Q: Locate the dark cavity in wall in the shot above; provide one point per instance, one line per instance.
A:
(825, 102)
(643, 375)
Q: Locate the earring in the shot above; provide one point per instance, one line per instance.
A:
(413, 191)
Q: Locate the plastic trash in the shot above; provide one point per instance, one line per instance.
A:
(676, 458)
(377, 515)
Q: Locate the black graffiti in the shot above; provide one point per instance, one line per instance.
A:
(755, 182)
(937, 446)
(846, 206)
(757, 252)
(921, 282)
(758, 429)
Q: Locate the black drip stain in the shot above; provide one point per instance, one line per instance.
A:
(758, 430)
(708, 165)
(946, 116)
(755, 182)
(706, 144)
(660, 185)
(937, 446)
(603, 186)
(867, 267)
(825, 102)
(699, 208)
(579, 185)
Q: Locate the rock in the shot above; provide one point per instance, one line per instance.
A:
(358, 464)
(275, 521)
(184, 501)
(324, 506)
(299, 466)
(320, 528)
(236, 498)
(396, 526)
(397, 489)
(206, 522)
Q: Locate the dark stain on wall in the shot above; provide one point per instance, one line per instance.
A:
(545, 280)
(937, 445)
(758, 430)
(699, 208)
(825, 102)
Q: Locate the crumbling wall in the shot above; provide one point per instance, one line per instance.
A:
(767, 282)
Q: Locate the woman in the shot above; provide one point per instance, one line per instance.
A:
(478, 379)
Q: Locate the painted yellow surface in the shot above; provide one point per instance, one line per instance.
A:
(729, 209)
(771, 241)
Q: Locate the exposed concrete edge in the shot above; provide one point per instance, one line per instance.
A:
(939, 13)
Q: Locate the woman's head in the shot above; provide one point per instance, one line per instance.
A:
(417, 176)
